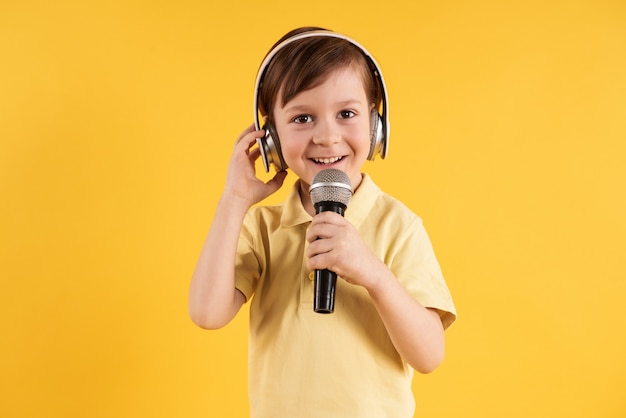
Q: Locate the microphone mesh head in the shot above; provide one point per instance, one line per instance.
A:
(331, 185)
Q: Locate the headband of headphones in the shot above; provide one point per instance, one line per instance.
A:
(384, 117)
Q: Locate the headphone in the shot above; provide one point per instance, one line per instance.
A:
(269, 145)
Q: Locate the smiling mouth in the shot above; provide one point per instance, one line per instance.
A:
(325, 161)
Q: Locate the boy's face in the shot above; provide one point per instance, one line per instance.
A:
(327, 126)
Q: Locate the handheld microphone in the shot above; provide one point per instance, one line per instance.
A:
(330, 191)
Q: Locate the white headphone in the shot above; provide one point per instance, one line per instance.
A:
(269, 145)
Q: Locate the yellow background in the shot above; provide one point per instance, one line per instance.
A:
(117, 120)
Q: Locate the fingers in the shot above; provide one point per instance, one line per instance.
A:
(244, 134)
(242, 174)
(248, 136)
(245, 144)
(253, 154)
(327, 254)
(328, 218)
(277, 181)
(324, 225)
(339, 249)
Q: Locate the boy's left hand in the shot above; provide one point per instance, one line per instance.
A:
(335, 244)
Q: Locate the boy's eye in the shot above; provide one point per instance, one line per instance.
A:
(302, 119)
(346, 114)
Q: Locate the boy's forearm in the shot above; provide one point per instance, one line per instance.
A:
(213, 299)
(416, 332)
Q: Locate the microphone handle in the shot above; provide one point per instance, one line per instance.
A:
(324, 285)
(325, 280)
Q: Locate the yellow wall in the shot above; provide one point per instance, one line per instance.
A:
(117, 119)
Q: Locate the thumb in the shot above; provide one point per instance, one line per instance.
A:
(277, 181)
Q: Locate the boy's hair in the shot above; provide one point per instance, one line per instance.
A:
(304, 64)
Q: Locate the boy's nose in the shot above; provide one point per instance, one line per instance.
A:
(326, 133)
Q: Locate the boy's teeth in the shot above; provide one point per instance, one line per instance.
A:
(327, 160)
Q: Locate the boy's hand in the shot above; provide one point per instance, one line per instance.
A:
(241, 179)
(335, 244)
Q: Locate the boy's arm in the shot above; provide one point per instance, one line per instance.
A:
(213, 299)
(416, 332)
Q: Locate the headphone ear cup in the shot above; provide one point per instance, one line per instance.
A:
(269, 146)
(377, 135)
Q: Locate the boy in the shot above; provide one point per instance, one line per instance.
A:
(320, 94)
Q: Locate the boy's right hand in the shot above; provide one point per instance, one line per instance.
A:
(241, 179)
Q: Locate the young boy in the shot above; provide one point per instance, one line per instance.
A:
(320, 94)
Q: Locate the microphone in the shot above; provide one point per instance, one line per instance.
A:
(330, 191)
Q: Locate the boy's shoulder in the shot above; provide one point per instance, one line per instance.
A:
(266, 211)
(372, 203)
(392, 206)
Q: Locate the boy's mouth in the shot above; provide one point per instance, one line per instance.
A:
(325, 161)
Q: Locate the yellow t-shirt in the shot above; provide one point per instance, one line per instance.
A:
(304, 364)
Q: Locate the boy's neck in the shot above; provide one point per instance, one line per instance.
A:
(305, 196)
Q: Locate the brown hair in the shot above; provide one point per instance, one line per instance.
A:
(305, 63)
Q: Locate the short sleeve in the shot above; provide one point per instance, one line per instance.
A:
(416, 267)
(247, 264)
